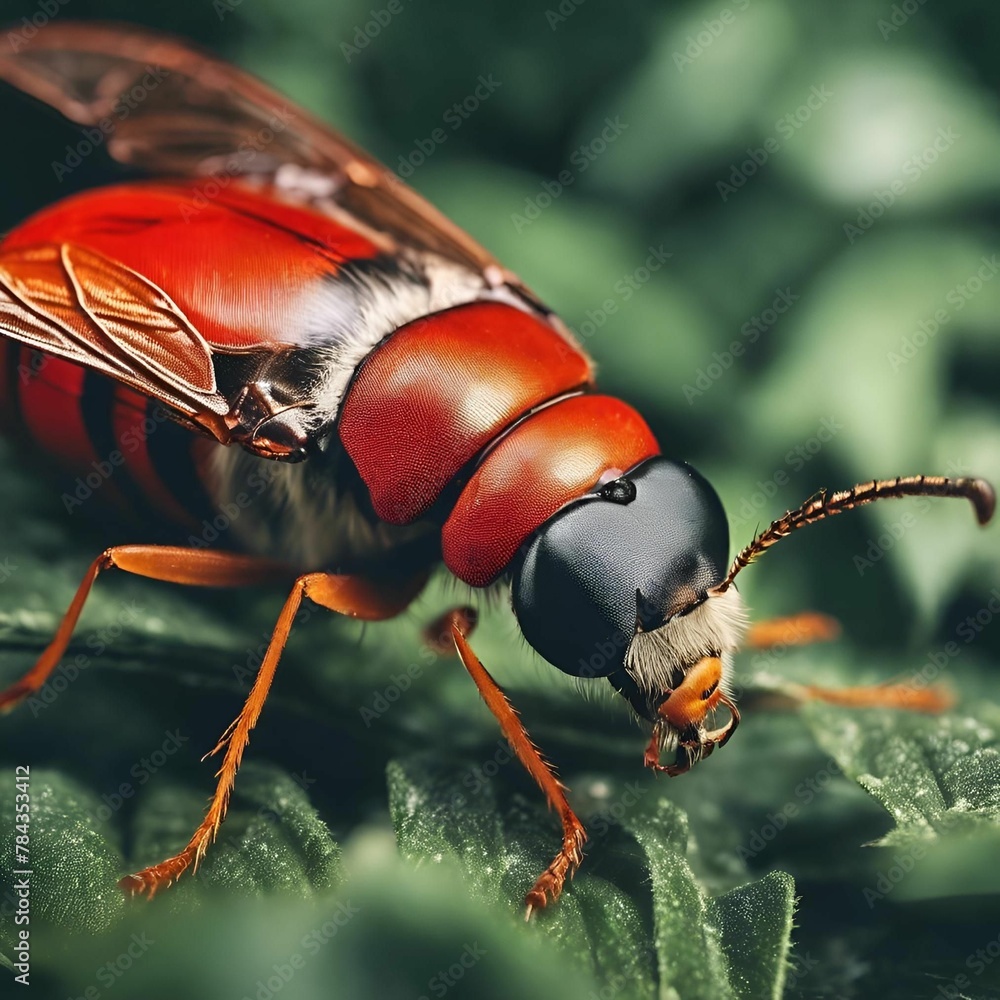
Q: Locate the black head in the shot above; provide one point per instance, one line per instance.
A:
(636, 552)
(630, 583)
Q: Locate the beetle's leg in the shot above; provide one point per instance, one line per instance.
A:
(437, 635)
(794, 630)
(930, 698)
(811, 626)
(347, 595)
(196, 567)
(550, 882)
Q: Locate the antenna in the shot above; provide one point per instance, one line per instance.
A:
(822, 505)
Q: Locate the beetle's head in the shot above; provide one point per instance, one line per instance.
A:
(619, 585)
(629, 583)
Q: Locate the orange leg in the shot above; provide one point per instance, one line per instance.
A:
(932, 699)
(196, 567)
(794, 630)
(347, 595)
(550, 882)
(811, 626)
(437, 635)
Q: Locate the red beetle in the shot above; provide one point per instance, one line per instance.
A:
(307, 321)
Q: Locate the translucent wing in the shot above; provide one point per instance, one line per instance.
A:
(75, 304)
(170, 109)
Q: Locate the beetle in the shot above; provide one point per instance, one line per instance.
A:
(279, 305)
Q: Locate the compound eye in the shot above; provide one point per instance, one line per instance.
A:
(647, 543)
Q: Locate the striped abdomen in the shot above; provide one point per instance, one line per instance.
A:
(114, 445)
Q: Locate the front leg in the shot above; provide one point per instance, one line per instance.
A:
(550, 883)
(346, 595)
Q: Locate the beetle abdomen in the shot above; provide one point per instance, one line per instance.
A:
(113, 445)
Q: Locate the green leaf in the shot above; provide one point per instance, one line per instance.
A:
(939, 779)
(733, 946)
(755, 925)
(930, 774)
(273, 841)
(441, 816)
(74, 863)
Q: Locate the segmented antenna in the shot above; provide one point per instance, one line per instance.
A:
(822, 505)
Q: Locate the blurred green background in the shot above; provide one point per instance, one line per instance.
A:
(817, 187)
